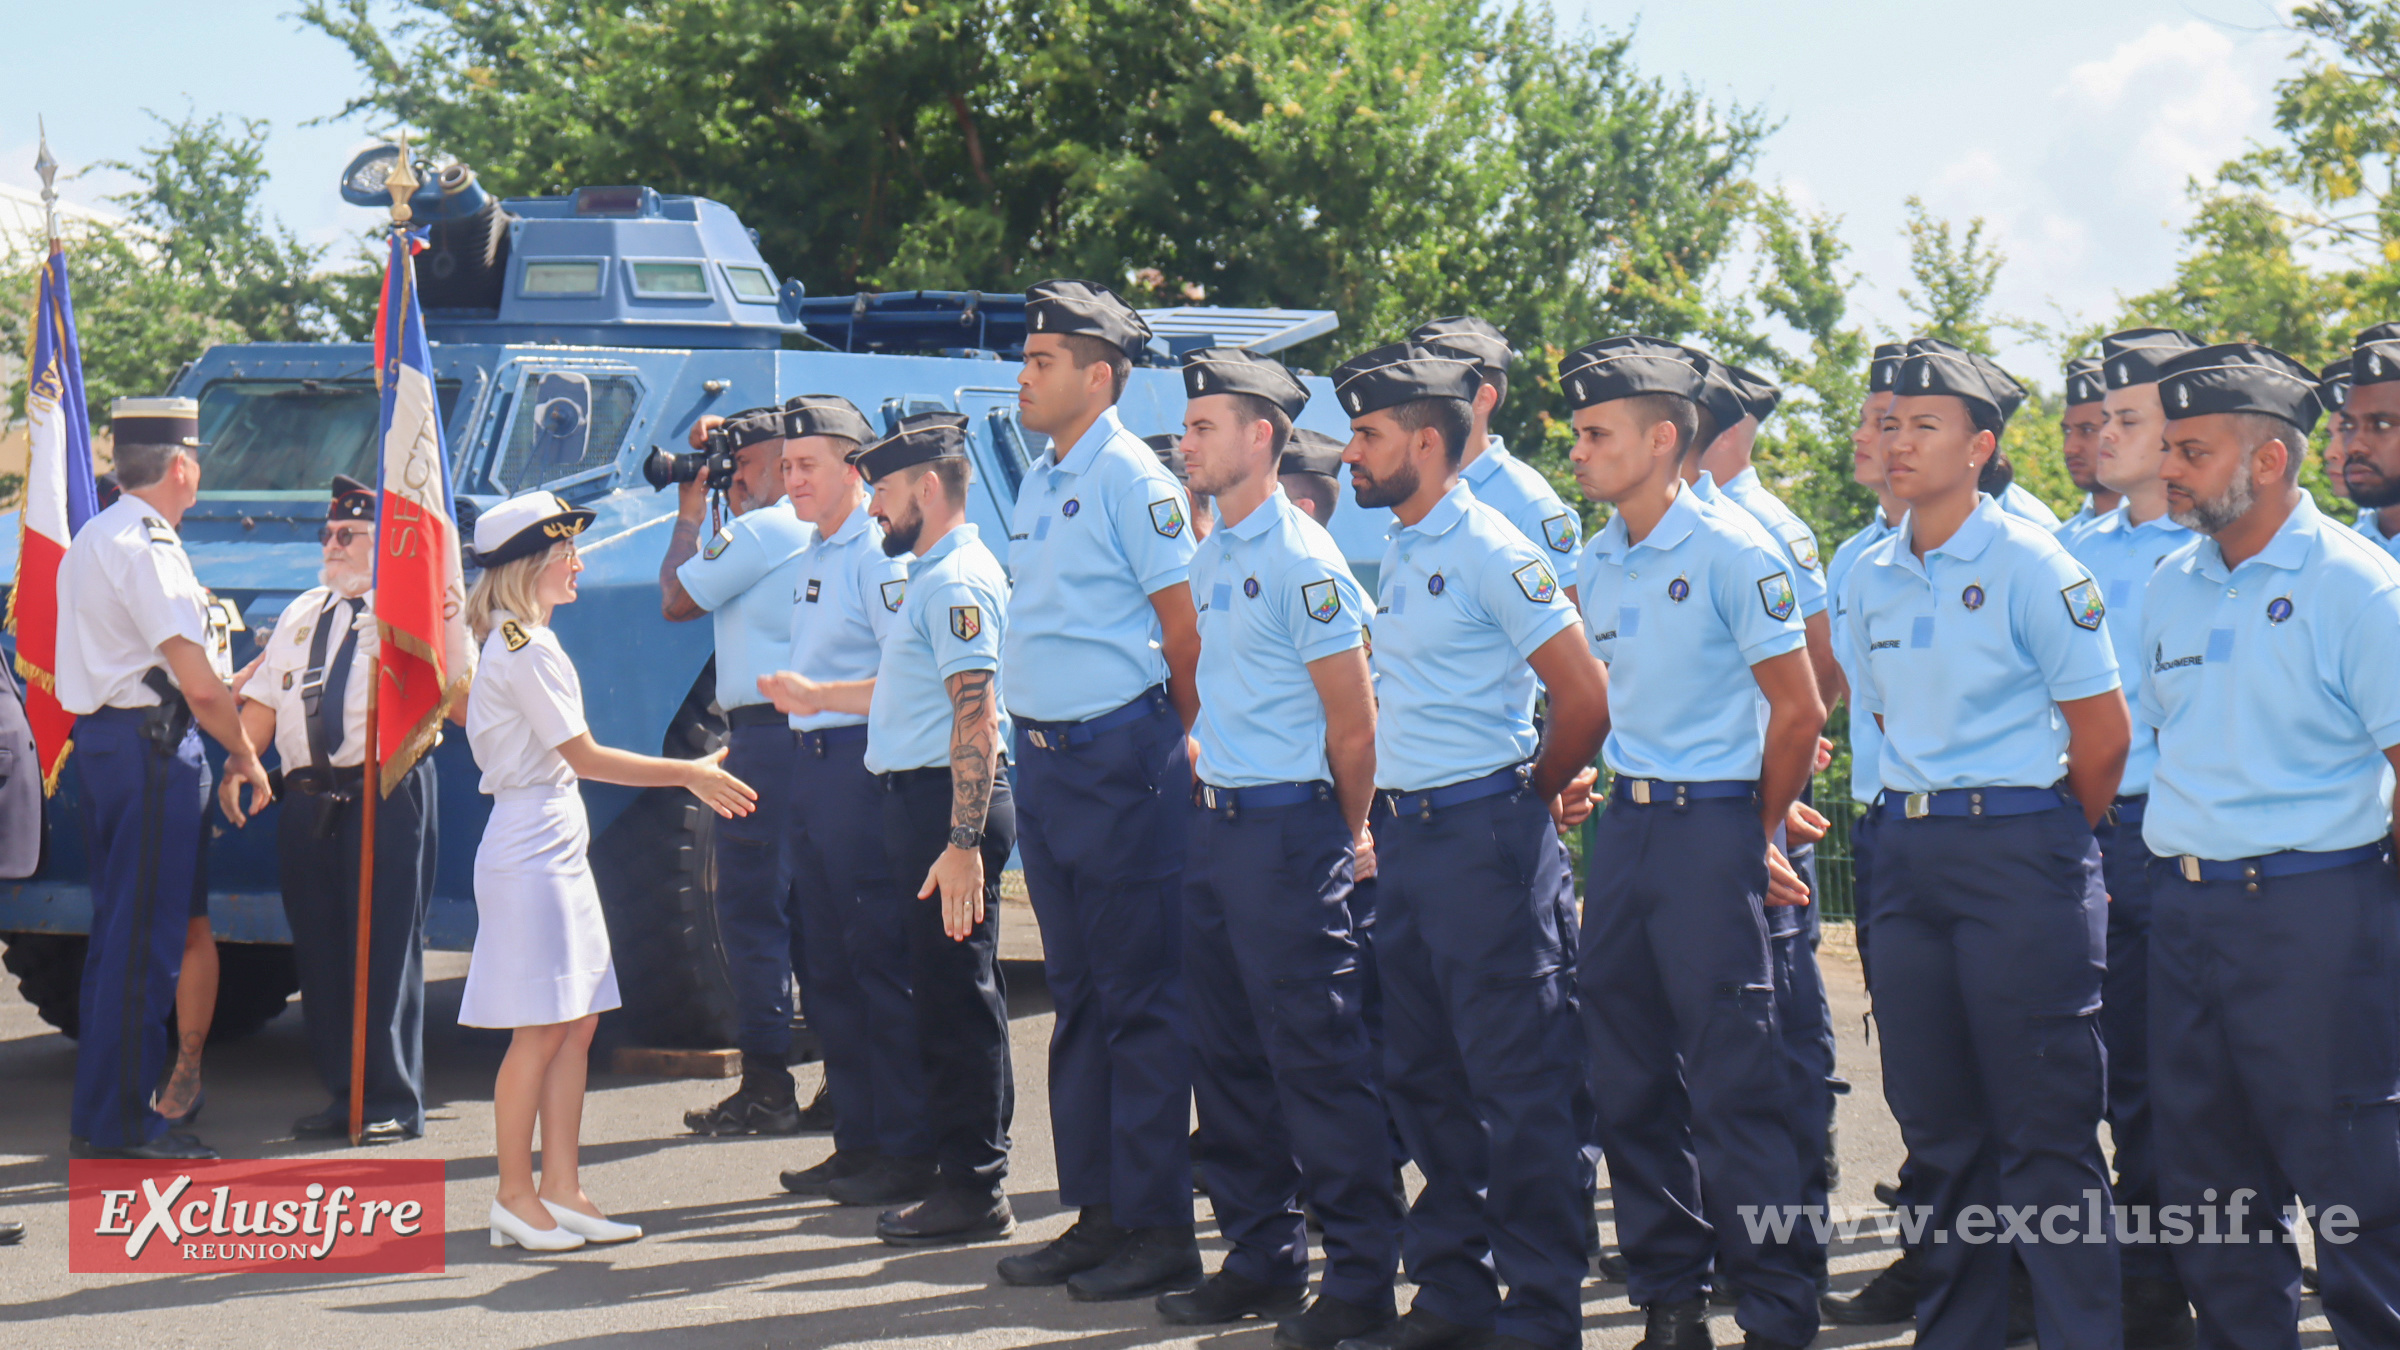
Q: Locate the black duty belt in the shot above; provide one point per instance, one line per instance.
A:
(2289, 863)
(1658, 792)
(1229, 802)
(1423, 803)
(1059, 735)
(1987, 801)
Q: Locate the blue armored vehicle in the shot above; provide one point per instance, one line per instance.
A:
(570, 335)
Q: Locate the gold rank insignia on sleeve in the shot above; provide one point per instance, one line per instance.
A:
(514, 636)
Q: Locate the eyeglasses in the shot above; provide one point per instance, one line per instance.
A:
(346, 535)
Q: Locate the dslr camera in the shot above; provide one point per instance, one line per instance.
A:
(665, 468)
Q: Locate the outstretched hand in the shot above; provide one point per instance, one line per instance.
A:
(725, 794)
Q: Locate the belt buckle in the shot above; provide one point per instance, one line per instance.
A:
(1208, 796)
(1639, 790)
(1917, 805)
(1040, 742)
(2189, 866)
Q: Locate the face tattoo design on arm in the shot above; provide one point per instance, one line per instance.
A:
(972, 753)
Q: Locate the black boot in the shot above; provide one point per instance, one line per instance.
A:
(1889, 1298)
(817, 1116)
(845, 1162)
(1611, 1265)
(1417, 1331)
(1152, 1260)
(1328, 1322)
(2157, 1315)
(1227, 1297)
(1094, 1238)
(891, 1181)
(948, 1217)
(765, 1103)
(1681, 1325)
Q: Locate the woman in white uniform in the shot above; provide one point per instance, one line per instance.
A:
(541, 963)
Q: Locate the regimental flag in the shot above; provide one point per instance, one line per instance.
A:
(59, 497)
(426, 658)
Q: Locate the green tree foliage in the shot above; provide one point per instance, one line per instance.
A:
(1955, 275)
(1804, 452)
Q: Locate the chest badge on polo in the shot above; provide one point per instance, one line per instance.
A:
(514, 636)
(1971, 597)
(814, 585)
(1166, 517)
(1071, 506)
(1775, 593)
(893, 593)
(2084, 604)
(1250, 587)
(1323, 598)
(2279, 609)
(1535, 580)
(1679, 590)
(1434, 584)
(717, 546)
(966, 622)
(1559, 533)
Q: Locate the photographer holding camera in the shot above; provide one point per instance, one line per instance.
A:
(734, 559)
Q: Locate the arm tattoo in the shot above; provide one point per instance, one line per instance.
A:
(972, 751)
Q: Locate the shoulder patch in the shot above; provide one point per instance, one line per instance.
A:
(1775, 593)
(158, 530)
(1560, 532)
(966, 621)
(894, 591)
(2084, 604)
(1803, 546)
(717, 546)
(1166, 517)
(514, 636)
(1535, 580)
(1324, 600)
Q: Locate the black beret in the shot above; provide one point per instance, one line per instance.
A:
(1169, 448)
(2135, 355)
(2240, 377)
(2086, 383)
(1627, 367)
(1719, 393)
(1937, 367)
(2333, 385)
(1760, 395)
(918, 440)
(1466, 335)
(2375, 355)
(1311, 452)
(1085, 309)
(352, 499)
(825, 415)
(1403, 373)
(1231, 370)
(753, 426)
(1883, 369)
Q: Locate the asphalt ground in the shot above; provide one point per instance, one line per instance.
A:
(729, 1261)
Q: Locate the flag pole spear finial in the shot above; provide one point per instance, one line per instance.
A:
(402, 184)
(47, 167)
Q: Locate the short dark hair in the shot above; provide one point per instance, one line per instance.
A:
(1684, 415)
(1998, 474)
(1498, 380)
(1256, 409)
(1704, 429)
(955, 473)
(1320, 491)
(1083, 350)
(140, 465)
(2260, 428)
(1452, 417)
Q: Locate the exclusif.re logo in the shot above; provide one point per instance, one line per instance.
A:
(351, 1216)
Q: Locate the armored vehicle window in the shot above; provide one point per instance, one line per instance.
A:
(567, 423)
(669, 278)
(561, 278)
(293, 435)
(750, 283)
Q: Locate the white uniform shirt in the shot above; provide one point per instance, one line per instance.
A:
(527, 703)
(277, 681)
(124, 589)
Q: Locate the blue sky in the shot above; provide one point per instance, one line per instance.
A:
(2071, 126)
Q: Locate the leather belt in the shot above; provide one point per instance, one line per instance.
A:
(1059, 735)
(1229, 802)
(817, 742)
(1422, 804)
(1656, 792)
(757, 715)
(1989, 801)
(332, 782)
(2289, 863)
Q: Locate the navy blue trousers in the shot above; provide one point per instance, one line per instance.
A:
(1688, 1064)
(1283, 1071)
(1989, 949)
(854, 912)
(319, 872)
(755, 914)
(2125, 1029)
(1481, 1054)
(1101, 826)
(2275, 1045)
(959, 997)
(142, 813)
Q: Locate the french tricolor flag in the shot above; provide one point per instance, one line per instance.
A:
(59, 496)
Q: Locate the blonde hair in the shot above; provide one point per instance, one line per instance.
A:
(508, 588)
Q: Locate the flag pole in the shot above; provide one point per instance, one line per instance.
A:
(47, 167)
(402, 184)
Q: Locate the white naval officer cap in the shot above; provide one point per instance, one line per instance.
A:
(524, 525)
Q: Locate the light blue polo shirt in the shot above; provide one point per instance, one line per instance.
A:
(2275, 689)
(1866, 739)
(953, 618)
(1518, 491)
(2368, 526)
(1093, 536)
(1274, 595)
(2016, 501)
(2121, 555)
(1970, 650)
(2077, 523)
(1796, 540)
(844, 595)
(746, 589)
(1464, 599)
(1680, 618)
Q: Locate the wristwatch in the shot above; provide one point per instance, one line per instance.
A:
(965, 836)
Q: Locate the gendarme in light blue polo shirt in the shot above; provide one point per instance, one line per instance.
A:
(2121, 556)
(2370, 527)
(1680, 618)
(1274, 595)
(1969, 650)
(1792, 536)
(2275, 689)
(1518, 491)
(746, 588)
(1093, 536)
(1464, 600)
(1866, 739)
(953, 619)
(844, 594)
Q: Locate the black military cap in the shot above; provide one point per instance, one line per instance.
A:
(1311, 452)
(1883, 369)
(825, 415)
(1937, 367)
(1169, 448)
(1403, 373)
(1626, 367)
(1085, 309)
(920, 439)
(2375, 355)
(2135, 355)
(2240, 377)
(1231, 370)
(753, 426)
(1760, 395)
(1466, 335)
(155, 421)
(352, 499)
(2086, 382)
(2333, 385)
(1718, 392)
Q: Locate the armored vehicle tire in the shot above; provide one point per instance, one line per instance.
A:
(254, 982)
(658, 892)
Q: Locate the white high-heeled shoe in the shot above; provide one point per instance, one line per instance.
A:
(509, 1230)
(591, 1229)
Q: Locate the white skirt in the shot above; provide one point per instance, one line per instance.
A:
(541, 945)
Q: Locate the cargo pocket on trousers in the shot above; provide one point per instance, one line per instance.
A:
(1741, 1045)
(1318, 1020)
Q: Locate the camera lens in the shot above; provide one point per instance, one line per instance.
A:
(662, 469)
